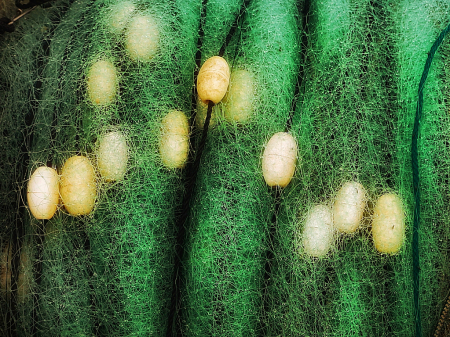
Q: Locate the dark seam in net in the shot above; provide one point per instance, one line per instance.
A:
(416, 181)
(191, 177)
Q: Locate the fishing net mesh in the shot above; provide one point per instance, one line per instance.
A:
(20, 84)
(422, 23)
(107, 273)
(354, 123)
(231, 207)
(243, 271)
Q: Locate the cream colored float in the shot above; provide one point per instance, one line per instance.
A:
(349, 205)
(317, 237)
(77, 186)
(388, 225)
(213, 79)
(112, 156)
(174, 139)
(102, 83)
(43, 192)
(119, 15)
(238, 101)
(279, 159)
(142, 38)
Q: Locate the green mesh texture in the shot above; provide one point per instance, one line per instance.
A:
(109, 273)
(219, 16)
(421, 22)
(132, 231)
(62, 301)
(151, 193)
(20, 83)
(231, 208)
(63, 308)
(26, 285)
(346, 126)
(225, 250)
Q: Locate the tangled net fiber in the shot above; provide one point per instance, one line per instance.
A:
(209, 249)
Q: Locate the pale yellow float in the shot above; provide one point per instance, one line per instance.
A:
(213, 79)
(174, 139)
(112, 156)
(119, 15)
(102, 83)
(43, 192)
(279, 159)
(77, 186)
(349, 205)
(388, 225)
(317, 236)
(142, 38)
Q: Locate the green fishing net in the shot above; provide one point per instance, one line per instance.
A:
(355, 124)
(218, 19)
(109, 273)
(345, 129)
(231, 208)
(341, 76)
(422, 22)
(21, 82)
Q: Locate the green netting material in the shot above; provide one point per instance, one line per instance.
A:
(21, 80)
(63, 302)
(137, 217)
(110, 273)
(219, 16)
(416, 178)
(346, 125)
(63, 308)
(231, 208)
(423, 21)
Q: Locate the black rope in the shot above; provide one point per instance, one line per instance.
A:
(234, 27)
(191, 177)
(416, 181)
(173, 329)
(301, 73)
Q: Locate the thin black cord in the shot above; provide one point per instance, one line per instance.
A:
(190, 180)
(301, 73)
(416, 181)
(234, 27)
